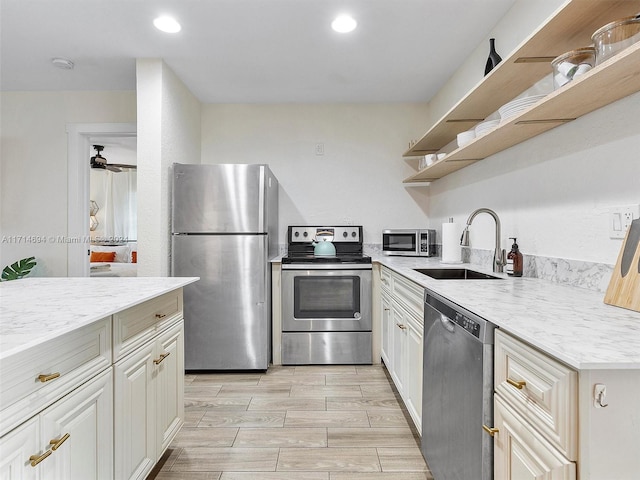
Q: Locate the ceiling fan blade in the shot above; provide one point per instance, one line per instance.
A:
(123, 165)
(113, 168)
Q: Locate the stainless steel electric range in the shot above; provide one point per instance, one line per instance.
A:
(326, 301)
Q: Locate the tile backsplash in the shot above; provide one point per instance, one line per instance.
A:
(576, 273)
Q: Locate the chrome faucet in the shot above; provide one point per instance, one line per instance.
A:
(499, 257)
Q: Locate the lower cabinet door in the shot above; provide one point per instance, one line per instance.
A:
(413, 368)
(521, 453)
(17, 447)
(399, 346)
(169, 364)
(134, 414)
(78, 431)
(386, 328)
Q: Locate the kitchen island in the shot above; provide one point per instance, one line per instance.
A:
(557, 348)
(91, 375)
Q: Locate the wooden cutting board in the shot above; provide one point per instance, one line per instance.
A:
(624, 286)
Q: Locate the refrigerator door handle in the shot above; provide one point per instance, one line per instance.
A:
(262, 290)
(261, 200)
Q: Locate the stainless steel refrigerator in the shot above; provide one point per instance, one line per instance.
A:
(224, 223)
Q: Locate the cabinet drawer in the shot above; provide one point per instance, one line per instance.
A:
(136, 325)
(37, 377)
(410, 294)
(540, 389)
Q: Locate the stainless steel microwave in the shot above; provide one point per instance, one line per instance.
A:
(411, 243)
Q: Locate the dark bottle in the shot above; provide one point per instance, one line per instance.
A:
(514, 260)
(494, 59)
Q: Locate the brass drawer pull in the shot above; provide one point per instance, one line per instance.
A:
(36, 459)
(157, 361)
(519, 384)
(161, 315)
(46, 378)
(401, 326)
(55, 443)
(491, 431)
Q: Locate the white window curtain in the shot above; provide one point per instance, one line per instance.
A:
(120, 210)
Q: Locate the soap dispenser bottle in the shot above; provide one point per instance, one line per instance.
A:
(514, 260)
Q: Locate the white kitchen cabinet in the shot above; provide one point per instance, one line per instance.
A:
(70, 440)
(78, 430)
(402, 314)
(536, 413)
(387, 326)
(148, 410)
(413, 370)
(15, 449)
(170, 386)
(58, 382)
(522, 453)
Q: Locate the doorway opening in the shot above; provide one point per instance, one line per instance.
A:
(80, 138)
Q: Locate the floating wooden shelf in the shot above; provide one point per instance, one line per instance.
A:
(569, 28)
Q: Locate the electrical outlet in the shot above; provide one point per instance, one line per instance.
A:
(319, 148)
(620, 219)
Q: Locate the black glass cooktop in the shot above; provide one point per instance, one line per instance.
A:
(340, 258)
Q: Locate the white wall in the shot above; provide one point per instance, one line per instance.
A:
(358, 180)
(33, 164)
(168, 132)
(554, 191)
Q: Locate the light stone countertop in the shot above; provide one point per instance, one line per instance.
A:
(34, 310)
(572, 324)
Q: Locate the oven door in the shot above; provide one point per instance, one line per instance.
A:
(326, 298)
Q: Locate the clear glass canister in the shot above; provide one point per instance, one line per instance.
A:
(615, 37)
(572, 64)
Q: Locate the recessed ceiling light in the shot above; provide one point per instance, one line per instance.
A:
(62, 63)
(344, 24)
(167, 24)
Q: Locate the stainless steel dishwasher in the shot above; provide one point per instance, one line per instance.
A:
(457, 391)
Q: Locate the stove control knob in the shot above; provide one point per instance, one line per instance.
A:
(296, 234)
(305, 234)
(344, 234)
(353, 234)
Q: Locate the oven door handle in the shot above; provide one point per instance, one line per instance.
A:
(326, 266)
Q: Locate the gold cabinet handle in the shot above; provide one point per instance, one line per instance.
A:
(157, 361)
(36, 459)
(55, 443)
(50, 376)
(491, 431)
(518, 384)
(161, 315)
(400, 326)
(386, 309)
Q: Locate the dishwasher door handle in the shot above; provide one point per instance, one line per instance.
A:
(448, 325)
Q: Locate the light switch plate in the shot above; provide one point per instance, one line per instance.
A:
(620, 219)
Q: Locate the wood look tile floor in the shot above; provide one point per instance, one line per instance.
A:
(294, 423)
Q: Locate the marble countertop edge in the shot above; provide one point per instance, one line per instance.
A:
(572, 324)
(26, 323)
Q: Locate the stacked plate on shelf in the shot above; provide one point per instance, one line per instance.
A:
(484, 127)
(517, 106)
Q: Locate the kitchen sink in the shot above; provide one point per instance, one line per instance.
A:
(455, 274)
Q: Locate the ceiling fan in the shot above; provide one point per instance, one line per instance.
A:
(98, 161)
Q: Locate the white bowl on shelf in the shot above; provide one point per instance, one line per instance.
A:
(465, 138)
